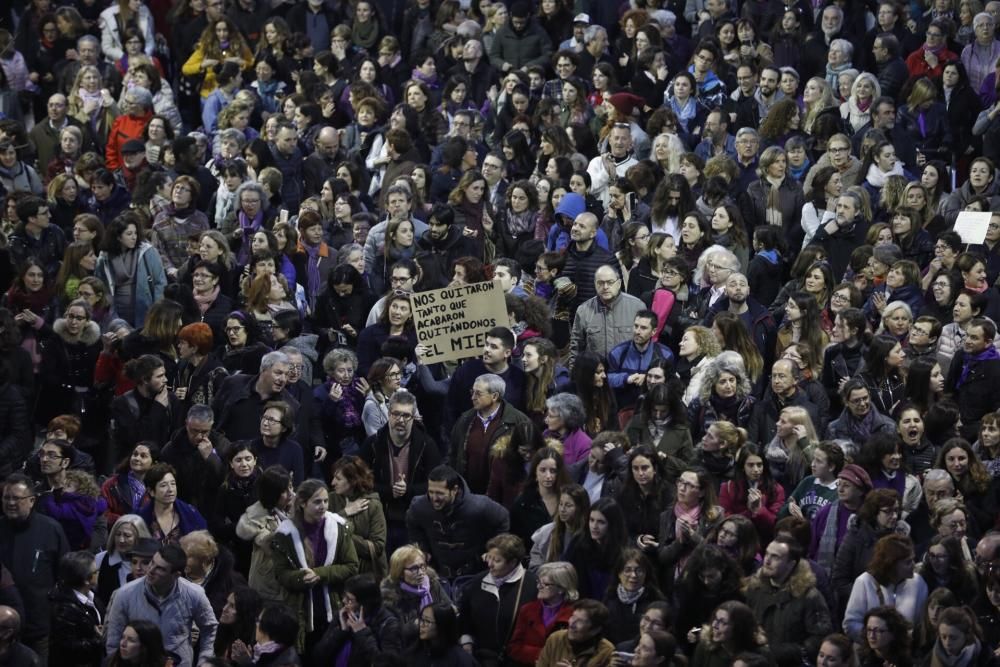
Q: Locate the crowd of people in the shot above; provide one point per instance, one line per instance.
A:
(745, 409)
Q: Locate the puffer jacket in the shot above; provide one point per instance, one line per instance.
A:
(531, 47)
(957, 200)
(855, 553)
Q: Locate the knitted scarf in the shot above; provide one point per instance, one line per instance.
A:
(772, 211)
(828, 542)
(423, 590)
(989, 353)
(833, 75)
(364, 34)
(630, 597)
(249, 228)
(205, 301)
(858, 113)
(520, 223)
(313, 279)
(967, 656)
(97, 97)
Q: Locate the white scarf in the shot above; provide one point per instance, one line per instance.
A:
(877, 177)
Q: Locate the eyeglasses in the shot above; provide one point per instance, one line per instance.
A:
(861, 400)
(684, 484)
(633, 570)
(839, 297)
(396, 280)
(394, 375)
(606, 283)
(418, 567)
(269, 420)
(50, 455)
(401, 416)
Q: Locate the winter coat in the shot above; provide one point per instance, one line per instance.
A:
(790, 200)
(124, 129)
(733, 497)
(599, 328)
(406, 606)
(623, 620)
(676, 442)
(558, 649)
(67, 369)
(341, 563)
(202, 382)
(150, 280)
(424, 457)
(189, 518)
(77, 642)
(510, 417)
(455, 537)
(794, 615)
(112, 44)
(671, 550)
(20, 178)
(958, 199)
(530, 46)
(855, 553)
(259, 525)
(198, 479)
(32, 552)
(935, 135)
(368, 531)
(488, 611)
(839, 428)
(81, 517)
(978, 394)
(530, 632)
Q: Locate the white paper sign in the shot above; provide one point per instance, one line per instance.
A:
(971, 226)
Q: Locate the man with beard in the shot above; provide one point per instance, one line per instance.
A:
(583, 641)
(755, 317)
(628, 361)
(817, 44)
(678, 201)
(439, 247)
(844, 233)
(400, 455)
(520, 43)
(601, 322)
(147, 412)
(480, 74)
(717, 140)
(752, 104)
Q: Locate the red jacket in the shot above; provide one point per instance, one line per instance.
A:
(918, 66)
(122, 130)
(530, 632)
(733, 498)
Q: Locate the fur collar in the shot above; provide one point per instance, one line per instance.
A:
(331, 530)
(90, 334)
(798, 585)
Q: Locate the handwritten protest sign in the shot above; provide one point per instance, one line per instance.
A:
(452, 322)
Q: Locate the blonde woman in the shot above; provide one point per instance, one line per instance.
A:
(790, 450)
(857, 110)
(698, 347)
(92, 104)
(818, 99)
(925, 119)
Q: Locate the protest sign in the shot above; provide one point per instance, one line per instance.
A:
(452, 322)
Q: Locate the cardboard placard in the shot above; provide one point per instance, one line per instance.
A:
(452, 322)
(971, 226)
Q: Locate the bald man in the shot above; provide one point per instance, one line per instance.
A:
(320, 165)
(44, 136)
(12, 651)
(605, 320)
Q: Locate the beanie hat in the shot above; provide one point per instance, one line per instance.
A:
(626, 103)
(857, 476)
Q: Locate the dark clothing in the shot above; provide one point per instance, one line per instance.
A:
(763, 420)
(841, 244)
(892, 75)
(465, 376)
(437, 258)
(48, 248)
(77, 642)
(291, 167)
(238, 409)
(288, 453)
(487, 611)
(31, 551)
(135, 417)
(581, 267)
(977, 395)
(382, 634)
(378, 451)
(468, 427)
(198, 478)
(15, 429)
(456, 535)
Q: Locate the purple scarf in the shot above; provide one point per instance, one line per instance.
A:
(989, 353)
(312, 271)
(137, 490)
(249, 228)
(549, 613)
(423, 590)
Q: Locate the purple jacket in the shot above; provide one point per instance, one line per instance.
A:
(576, 445)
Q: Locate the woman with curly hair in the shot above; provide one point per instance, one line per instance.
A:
(636, 589)
(220, 43)
(698, 347)
(590, 382)
(724, 394)
(711, 577)
(783, 121)
(889, 575)
(970, 477)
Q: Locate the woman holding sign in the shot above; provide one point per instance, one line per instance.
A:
(396, 320)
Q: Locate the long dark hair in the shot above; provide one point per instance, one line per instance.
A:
(608, 553)
(766, 482)
(524, 434)
(877, 355)
(151, 653)
(598, 403)
(248, 606)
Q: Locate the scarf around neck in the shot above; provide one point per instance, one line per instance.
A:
(423, 590)
(249, 227)
(205, 301)
(629, 598)
(989, 353)
(364, 34)
(877, 177)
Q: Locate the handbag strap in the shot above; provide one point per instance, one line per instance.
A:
(517, 608)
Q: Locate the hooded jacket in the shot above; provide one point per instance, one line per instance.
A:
(150, 279)
(570, 206)
(456, 535)
(794, 615)
(259, 525)
(436, 258)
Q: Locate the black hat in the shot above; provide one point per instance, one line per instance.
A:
(146, 547)
(133, 146)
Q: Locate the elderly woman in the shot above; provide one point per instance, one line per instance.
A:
(92, 105)
(340, 402)
(775, 198)
(179, 222)
(251, 214)
(410, 586)
(564, 420)
(492, 600)
(113, 564)
(724, 394)
(550, 611)
(890, 576)
(137, 110)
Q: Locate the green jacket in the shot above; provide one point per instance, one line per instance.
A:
(290, 561)
(367, 532)
(675, 442)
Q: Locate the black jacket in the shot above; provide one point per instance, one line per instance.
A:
(487, 612)
(135, 417)
(456, 536)
(382, 634)
(15, 429)
(437, 258)
(31, 551)
(581, 266)
(424, 457)
(238, 408)
(977, 395)
(841, 244)
(77, 642)
(198, 479)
